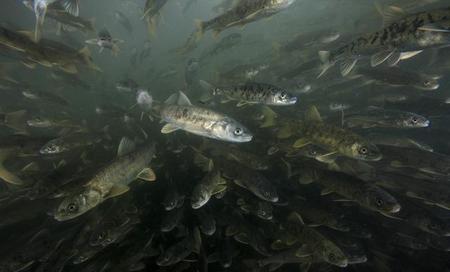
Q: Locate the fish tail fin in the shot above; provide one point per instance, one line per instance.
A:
(208, 91)
(85, 53)
(17, 121)
(115, 50)
(71, 6)
(41, 11)
(269, 117)
(200, 25)
(324, 57)
(5, 174)
(276, 46)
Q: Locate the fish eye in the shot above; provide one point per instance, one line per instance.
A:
(363, 150)
(72, 207)
(379, 202)
(313, 152)
(427, 83)
(238, 131)
(331, 257)
(283, 95)
(414, 120)
(433, 226)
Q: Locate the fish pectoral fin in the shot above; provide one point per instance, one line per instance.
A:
(301, 143)
(295, 217)
(219, 189)
(245, 208)
(27, 33)
(118, 190)
(242, 238)
(285, 132)
(147, 174)
(328, 158)
(394, 59)
(413, 195)
(347, 66)
(326, 191)
(169, 128)
(409, 54)
(380, 57)
(239, 183)
(313, 115)
(242, 104)
(433, 28)
(126, 146)
(69, 68)
(397, 164)
(29, 64)
(205, 163)
(269, 117)
(305, 267)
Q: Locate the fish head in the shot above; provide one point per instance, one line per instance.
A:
(53, 147)
(428, 84)
(264, 210)
(230, 130)
(415, 121)
(166, 258)
(199, 197)
(282, 98)
(363, 151)
(333, 255)
(75, 205)
(381, 201)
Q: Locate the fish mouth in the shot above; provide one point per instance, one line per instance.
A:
(396, 208)
(292, 101)
(245, 139)
(426, 123)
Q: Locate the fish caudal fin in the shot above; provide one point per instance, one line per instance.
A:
(17, 120)
(41, 11)
(324, 57)
(71, 6)
(208, 91)
(5, 174)
(200, 29)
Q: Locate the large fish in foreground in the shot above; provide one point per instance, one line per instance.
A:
(242, 13)
(180, 114)
(111, 181)
(400, 38)
(40, 9)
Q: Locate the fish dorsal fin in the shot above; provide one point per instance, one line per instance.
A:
(295, 218)
(172, 99)
(312, 114)
(147, 174)
(390, 14)
(126, 146)
(183, 100)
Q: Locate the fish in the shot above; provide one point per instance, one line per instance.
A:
(124, 21)
(201, 121)
(243, 12)
(40, 9)
(334, 139)
(180, 250)
(212, 183)
(397, 77)
(47, 53)
(366, 194)
(105, 40)
(251, 93)
(111, 181)
(402, 36)
(381, 118)
(315, 241)
(224, 44)
(152, 11)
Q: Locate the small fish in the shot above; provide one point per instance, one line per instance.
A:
(124, 21)
(212, 183)
(105, 40)
(252, 93)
